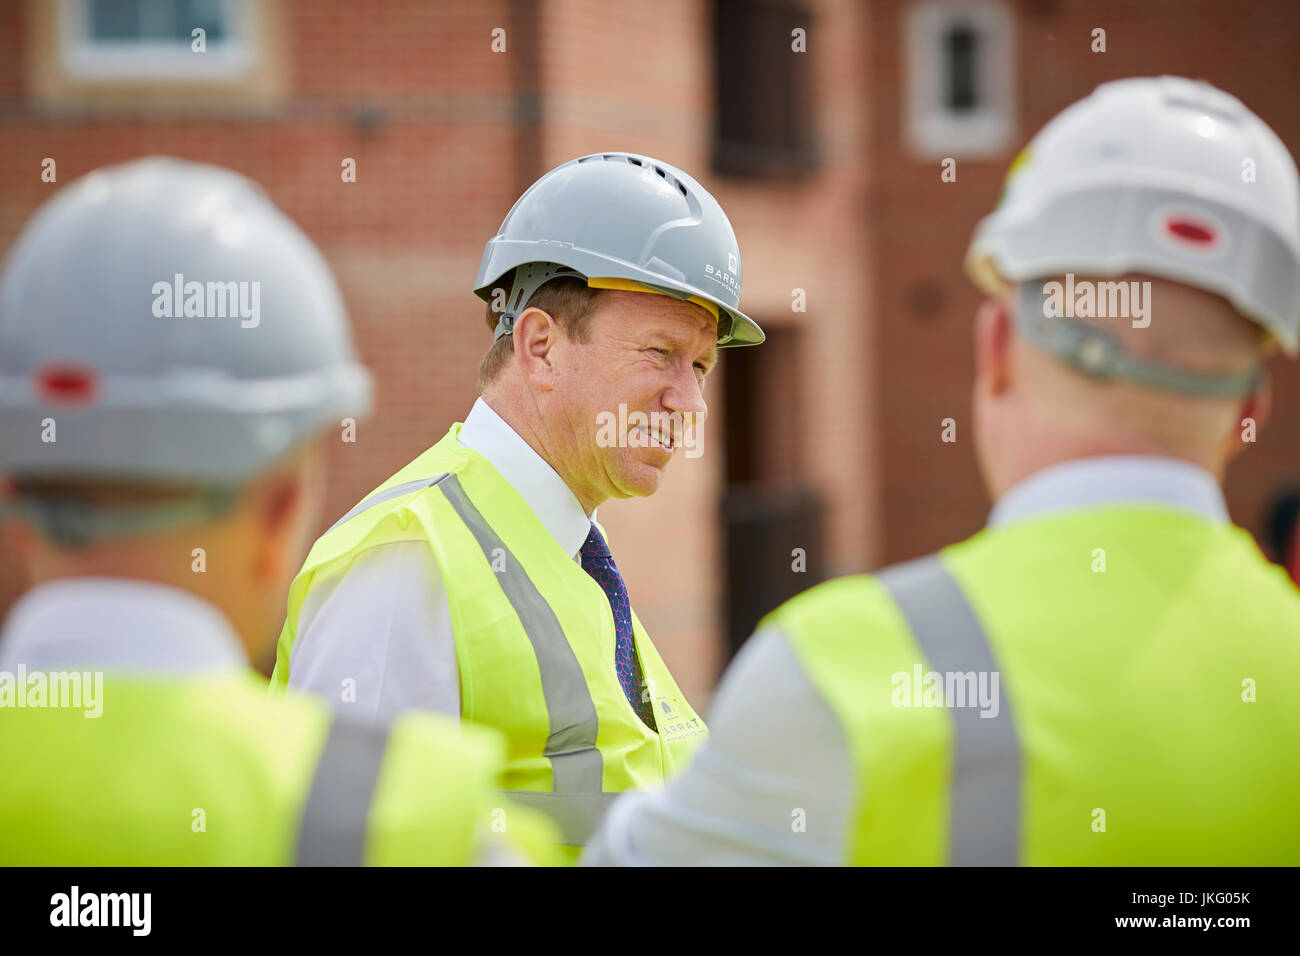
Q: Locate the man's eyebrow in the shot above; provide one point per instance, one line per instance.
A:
(676, 340)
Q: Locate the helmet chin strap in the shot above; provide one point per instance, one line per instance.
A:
(528, 279)
(1099, 355)
(72, 521)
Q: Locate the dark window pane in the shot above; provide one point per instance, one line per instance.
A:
(200, 13)
(961, 52)
(154, 20)
(764, 105)
(114, 19)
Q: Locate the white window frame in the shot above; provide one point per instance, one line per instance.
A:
(82, 58)
(931, 128)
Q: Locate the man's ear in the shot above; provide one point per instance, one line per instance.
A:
(1259, 403)
(536, 334)
(1254, 408)
(18, 538)
(993, 339)
(278, 501)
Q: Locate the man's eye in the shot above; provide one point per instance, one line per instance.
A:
(660, 351)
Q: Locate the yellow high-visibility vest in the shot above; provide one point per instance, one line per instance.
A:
(210, 771)
(534, 637)
(1144, 710)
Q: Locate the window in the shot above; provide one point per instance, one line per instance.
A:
(153, 39)
(764, 122)
(960, 78)
(960, 42)
(138, 56)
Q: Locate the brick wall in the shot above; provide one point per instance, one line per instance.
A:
(931, 491)
(413, 93)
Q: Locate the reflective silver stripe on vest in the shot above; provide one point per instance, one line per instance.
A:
(577, 815)
(576, 764)
(333, 831)
(388, 494)
(984, 827)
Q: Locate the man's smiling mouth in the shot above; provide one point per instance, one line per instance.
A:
(656, 439)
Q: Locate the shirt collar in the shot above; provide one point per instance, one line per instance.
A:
(118, 624)
(1113, 479)
(542, 489)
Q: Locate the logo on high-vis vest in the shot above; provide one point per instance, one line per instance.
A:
(677, 726)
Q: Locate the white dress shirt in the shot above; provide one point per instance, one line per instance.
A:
(776, 747)
(119, 625)
(383, 620)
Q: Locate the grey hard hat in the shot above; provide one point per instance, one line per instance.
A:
(626, 217)
(175, 325)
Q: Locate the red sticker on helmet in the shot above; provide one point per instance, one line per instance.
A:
(1190, 231)
(67, 384)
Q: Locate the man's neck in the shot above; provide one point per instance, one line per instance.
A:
(525, 419)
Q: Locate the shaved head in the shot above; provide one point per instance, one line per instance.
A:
(1032, 409)
(1189, 329)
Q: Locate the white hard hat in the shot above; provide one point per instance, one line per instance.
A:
(1166, 176)
(621, 221)
(99, 331)
(169, 325)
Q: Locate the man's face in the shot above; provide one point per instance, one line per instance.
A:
(626, 394)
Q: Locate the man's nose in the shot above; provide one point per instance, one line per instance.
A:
(685, 396)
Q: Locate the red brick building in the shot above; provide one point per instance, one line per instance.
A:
(819, 125)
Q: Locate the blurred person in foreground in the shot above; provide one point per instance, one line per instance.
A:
(173, 351)
(476, 581)
(1105, 673)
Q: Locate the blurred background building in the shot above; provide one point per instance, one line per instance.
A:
(820, 125)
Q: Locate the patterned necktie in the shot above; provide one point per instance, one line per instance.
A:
(599, 563)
